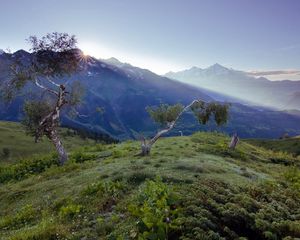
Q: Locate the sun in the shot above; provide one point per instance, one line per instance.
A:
(95, 50)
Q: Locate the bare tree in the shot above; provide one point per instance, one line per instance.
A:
(234, 141)
(167, 116)
(52, 58)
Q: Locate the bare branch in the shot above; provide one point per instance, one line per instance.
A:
(171, 124)
(45, 88)
(54, 83)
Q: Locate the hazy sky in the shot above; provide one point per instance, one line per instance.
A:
(165, 35)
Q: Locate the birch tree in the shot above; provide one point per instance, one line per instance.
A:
(168, 115)
(53, 58)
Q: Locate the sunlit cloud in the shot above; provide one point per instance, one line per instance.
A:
(273, 72)
(292, 74)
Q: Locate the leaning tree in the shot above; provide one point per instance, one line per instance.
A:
(168, 115)
(53, 58)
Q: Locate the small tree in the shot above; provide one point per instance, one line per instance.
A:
(53, 57)
(167, 116)
(5, 152)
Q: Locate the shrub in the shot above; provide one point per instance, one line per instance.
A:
(292, 175)
(70, 211)
(117, 153)
(156, 211)
(138, 177)
(26, 167)
(81, 156)
(111, 188)
(23, 217)
(5, 152)
(46, 229)
(217, 210)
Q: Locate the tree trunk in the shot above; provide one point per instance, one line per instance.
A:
(62, 154)
(49, 124)
(145, 149)
(146, 146)
(234, 141)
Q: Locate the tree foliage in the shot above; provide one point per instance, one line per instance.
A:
(165, 114)
(34, 112)
(203, 112)
(52, 58)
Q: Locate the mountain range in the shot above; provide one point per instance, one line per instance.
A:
(278, 94)
(117, 94)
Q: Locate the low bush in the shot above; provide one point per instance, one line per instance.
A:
(5, 152)
(26, 167)
(292, 175)
(70, 211)
(156, 211)
(138, 177)
(217, 210)
(81, 156)
(111, 188)
(24, 216)
(46, 229)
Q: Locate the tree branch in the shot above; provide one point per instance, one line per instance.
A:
(54, 83)
(45, 88)
(48, 123)
(171, 124)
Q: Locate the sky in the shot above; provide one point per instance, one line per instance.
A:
(259, 36)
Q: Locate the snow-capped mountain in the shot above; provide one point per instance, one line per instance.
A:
(241, 85)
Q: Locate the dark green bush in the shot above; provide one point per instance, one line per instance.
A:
(70, 211)
(217, 210)
(156, 211)
(24, 216)
(138, 177)
(26, 167)
(5, 152)
(111, 188)
(292, 175)
(47, 229)
(81, 156)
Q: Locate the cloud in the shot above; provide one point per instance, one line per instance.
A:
(274, 72)
(277, 75)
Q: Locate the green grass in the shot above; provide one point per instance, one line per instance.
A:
(289, 145)
(188, 188)
(13, 138)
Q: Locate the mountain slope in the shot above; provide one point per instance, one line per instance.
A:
(117, 95)
(20, 145)
(290, 145)
(239, 84)
(190, 187)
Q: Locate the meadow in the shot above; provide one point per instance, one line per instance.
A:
(190, 187)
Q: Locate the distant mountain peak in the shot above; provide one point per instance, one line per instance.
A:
(1, 51)
(217, 66)
(217, 69)
(194, 68)
(113, 60)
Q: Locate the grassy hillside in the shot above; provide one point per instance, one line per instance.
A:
(19, 145)
(289, 145)
(189, 188)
